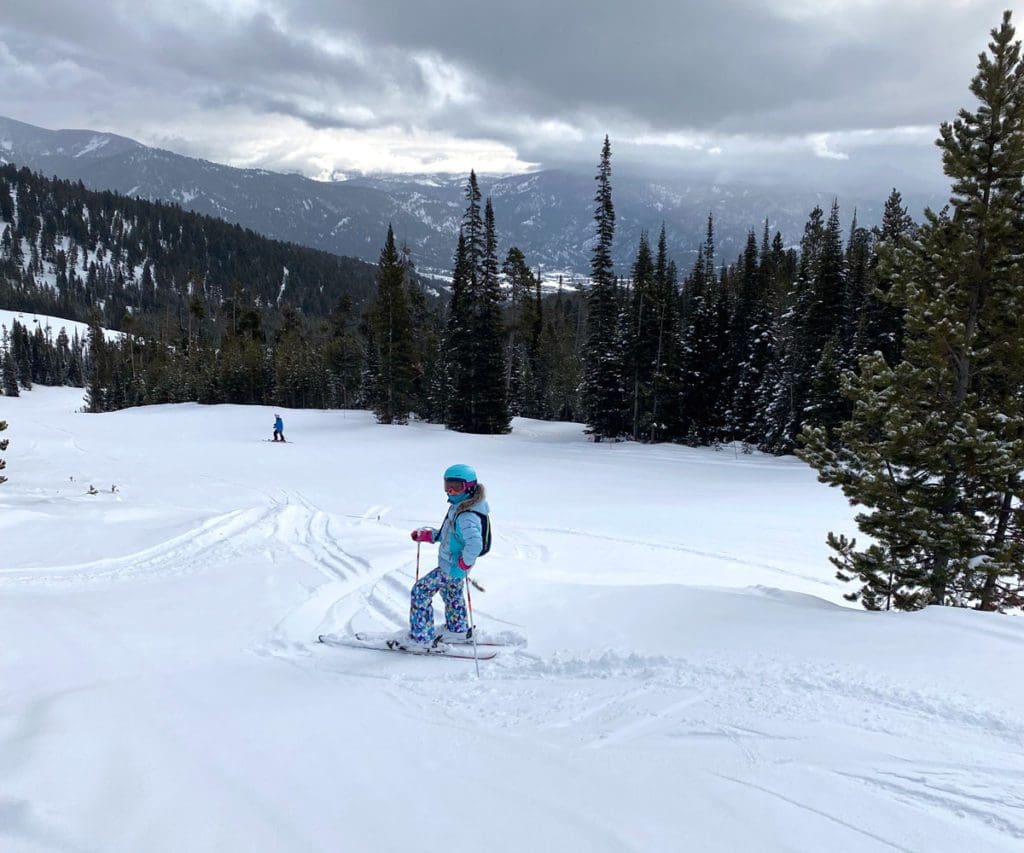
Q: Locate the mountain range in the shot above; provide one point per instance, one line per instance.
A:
(547, 214)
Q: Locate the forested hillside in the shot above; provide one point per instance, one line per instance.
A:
(68, 251)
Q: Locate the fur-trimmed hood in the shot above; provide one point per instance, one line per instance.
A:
(473, 502)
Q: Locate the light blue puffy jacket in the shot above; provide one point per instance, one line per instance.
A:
(461, 534)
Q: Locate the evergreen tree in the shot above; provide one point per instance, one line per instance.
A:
(523, 334)
(559, 361)
(3, 446)
(293, 360)
(741, 339)
(473, 230)
(666, 380)
(392, 329)
(824, 331)
(801, 330)
(882, 317)
(641, 338)
(491, 391)
(343, 354)
(474, 337)
(456, 379)
(10, 374)
(427, 329)
(604, 398)
(705, 342)
(857, 338)
(935, 446)
(756, 353)
(21, 351)
(100, 372)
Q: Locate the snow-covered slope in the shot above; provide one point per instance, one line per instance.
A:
(51, 326)
(692, 680)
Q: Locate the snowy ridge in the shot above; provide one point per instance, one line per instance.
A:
(548, 215)
(51, 326)
(690, 677)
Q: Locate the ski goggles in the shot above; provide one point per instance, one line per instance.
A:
(457, 487)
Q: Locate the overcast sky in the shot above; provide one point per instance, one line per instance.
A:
(838, 92)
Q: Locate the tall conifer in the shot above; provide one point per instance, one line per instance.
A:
(663, 422)
(9, 375)
(491, 392)
(456, 377)
(604, 397)
(935, 446)
(392, 329)
(641, 338)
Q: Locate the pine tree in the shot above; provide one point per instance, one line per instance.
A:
(559, 361)
(604, 398)
(825, 331)
(392, 330)
(801, 329)
(881, 318)
(935, 446)
(641, 338)
(3, 446)
(456, 382)
(705, 340)
(343, 354)
(666, 383)
(488, 333)
(100, 373)
(473, 230)
(523, 335)
(857, 338)
(427, 329)
(21, 351)
(10, 375)
(778, 268)
(742, 335)
(475, 332)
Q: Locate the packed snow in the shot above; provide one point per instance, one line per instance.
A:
(687, 675)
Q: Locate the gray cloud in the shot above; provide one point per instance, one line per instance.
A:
(719, 64)
(730, 89)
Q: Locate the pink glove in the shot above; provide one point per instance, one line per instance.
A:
(422, 534)
(459, 570)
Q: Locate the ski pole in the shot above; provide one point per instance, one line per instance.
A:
(472, 627)
(418, 560)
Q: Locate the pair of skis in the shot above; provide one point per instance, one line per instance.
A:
(398, 642)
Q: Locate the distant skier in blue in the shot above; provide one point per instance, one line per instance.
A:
(278, 428)
(461, 538)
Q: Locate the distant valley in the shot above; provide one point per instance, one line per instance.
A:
(547, 214)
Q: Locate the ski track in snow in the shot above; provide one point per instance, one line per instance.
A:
(186, 554)
(611, 701)
(601, 701)
(540, 552)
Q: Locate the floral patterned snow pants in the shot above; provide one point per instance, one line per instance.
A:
(421, 612)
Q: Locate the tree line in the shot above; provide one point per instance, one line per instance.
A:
(37, 357)
(889, 358)
(892, 360)
(75, 253)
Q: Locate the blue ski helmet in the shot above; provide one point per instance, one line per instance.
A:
(459, 482)
(460, 472)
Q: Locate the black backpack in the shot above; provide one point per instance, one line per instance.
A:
(485, 528)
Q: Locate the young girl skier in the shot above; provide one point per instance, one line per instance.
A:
(461, 540)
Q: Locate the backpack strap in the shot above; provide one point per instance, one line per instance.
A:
(485, 527)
